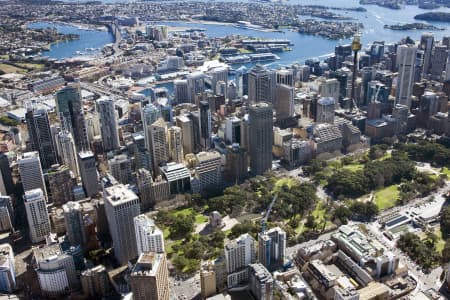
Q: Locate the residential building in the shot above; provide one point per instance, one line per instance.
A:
(73, 219)
(272, 248)
(37, 215)
(149, 238)
(239, 253)
(95, 282)
(261, 283)
(158, 144)
(67, 152)
(175, 144)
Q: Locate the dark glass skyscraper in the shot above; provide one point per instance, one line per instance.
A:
(70, 111)
(40, 136)
(260, 137)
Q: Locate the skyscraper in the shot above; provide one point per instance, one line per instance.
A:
(120, 168)
(30, 171)
(73, 219)
(108, 123)
(149, 238)
(272, 248)
(40, 136)
(205, 125)
(66, 151)
(261, 85)
(181, 94)
(149, 278)
(88, 173)
(70, 111)
(239, 253)
(260, 137)
(426, 44)
(5, 170)
(37, 215)
(325, 110)
(208, 170)
(261, 283)
(7, 269)
(150, 113)
(158, 144)
(284, 101)
(186, 133)
(60, 184)
(196, 86)
(406, 58)
(121, 206)
(175, 144)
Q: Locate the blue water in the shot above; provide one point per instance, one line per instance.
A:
(88, 39)
(304, 46)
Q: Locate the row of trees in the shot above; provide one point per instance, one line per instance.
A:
(423, 252)
(425, 151)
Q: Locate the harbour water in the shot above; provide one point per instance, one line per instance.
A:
(89, 40)
(305, 46)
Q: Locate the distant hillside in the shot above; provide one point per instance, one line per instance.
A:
(434, 16)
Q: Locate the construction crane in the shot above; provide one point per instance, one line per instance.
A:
(266, 217)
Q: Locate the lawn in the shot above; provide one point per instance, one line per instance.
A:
(199, 218)
(31, 66)
(446, 171)
(386, 198)
(353, 167)
(10, 69)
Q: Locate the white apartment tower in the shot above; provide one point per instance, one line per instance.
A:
(149, 238)
(37, 215)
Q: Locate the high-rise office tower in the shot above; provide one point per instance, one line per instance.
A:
(438, 61)
(341, 52)
(37, 215)
(406, 58)
(88, 173)
(181, 94)
(150, 113)
(60, 184)
(325, 110)
(149, 278)
(272, 248)
(67, 152)
(73, 219)
(239, 253)
(219, 74)
(194, 116)
(7, 269)
(158, 144)
(149, 238)
(186, 133)
(120, 168)
(144, 185)
(6, 213)
(40, 136)
(30, 171)
(205, 125)
(233, 130)
(56, 270)
(447, 68)
(261, 85)
(260, 137)
(175, 144)
(284, 102)
(208, 170)
(70, 111)
(286, 77)
(108, 123)
(426, 44)
(140, 152)
(121, 206)
(196, 86)
(5, 170)
(236, 167)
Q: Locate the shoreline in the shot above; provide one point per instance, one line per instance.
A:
(203, 22)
